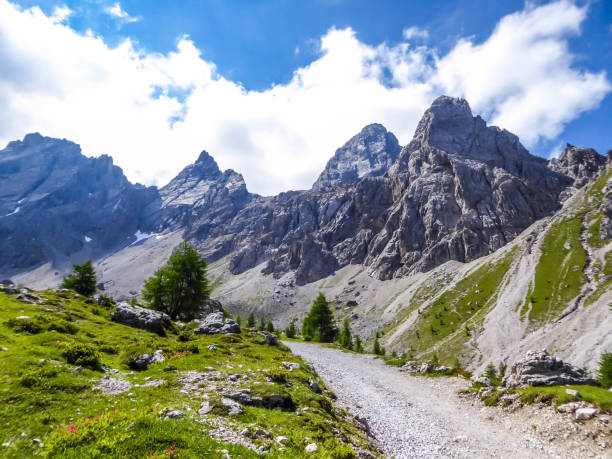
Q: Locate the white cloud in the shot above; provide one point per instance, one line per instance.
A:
(61, 13)
(121, 100)
(116, 12)
(415, 32)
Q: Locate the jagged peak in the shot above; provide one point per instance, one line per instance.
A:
(368, 153)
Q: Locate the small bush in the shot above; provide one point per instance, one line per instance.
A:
(25, 326)
(184, 336)
(605, 370)
(490, 371)
(35, 377)
(528, 397)
(278, 376)
(81, 354)
(62, 326)
(109, 349)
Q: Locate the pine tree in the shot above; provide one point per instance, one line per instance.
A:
(251, 321)
(319, 324)
(270, 327)
(501, 370)
(262, 324)
(344, 338)
(605, 370)
(181, 286)
(357, 346)
(490, 372)
(82, 280)
(290, 331)
(376, 349)
(239, 319)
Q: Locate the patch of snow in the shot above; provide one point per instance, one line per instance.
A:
(160, 236)
(13, 212)
(140, 236)
(88, 239)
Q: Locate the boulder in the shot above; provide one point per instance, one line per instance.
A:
(583, 414)
(233, 408)
(216, 323)
(269, 338)
(539, 368)
(143, 361)
(142, 318)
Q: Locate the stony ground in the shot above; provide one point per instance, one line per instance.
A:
(423, 417)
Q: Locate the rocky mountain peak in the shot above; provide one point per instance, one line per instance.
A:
(370, 153)
(581, 164)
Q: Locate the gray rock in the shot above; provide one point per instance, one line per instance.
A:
(143, 361)
(583, 414)
(539, 368)
(572, 392)
(205, 408)
(314, 386)
(233, 407)
(113, 386)
(174, 414)
(142, 318)
(291, 366)
(311, 448)
(568, 407)
(269, 338)
(216, 323)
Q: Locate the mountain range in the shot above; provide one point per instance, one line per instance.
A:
(390, 233)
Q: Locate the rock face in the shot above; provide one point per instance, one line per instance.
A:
(60, 206)
(369, 154)
(137, 317)
(539, 368)
(459, 190)
(217, 323)
(581, 164)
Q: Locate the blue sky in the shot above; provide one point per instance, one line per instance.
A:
(245, 49)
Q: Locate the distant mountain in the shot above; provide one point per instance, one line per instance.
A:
(458, 191)
(58, 206)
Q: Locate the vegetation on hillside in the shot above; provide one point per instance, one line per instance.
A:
(180, 287)
(82, 280)
(319, 324)
(55, 354)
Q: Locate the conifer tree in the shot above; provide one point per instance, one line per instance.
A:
(319, 324)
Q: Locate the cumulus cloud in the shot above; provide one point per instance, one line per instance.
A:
(415, 32)
(154, 112)
(61, 13)
(116, 12)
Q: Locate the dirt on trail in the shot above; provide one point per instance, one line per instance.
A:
(417, 417)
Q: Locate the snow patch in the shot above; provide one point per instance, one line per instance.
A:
(88, 239)
(140, 236)
(14, 212)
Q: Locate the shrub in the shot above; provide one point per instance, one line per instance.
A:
(357, 346)
(290, 331)
(180, 287)
(490, 372)
(184, 336)
(605, 370)
(106, 301)
(109, 349)
(25, 325)
(251, 321)
(81, 354)
(501, 371)
(36, 377)
(377, 349)
(344, 338)
(434, 360)
(278, 376)
(61, 326)
(82, 280)
(270, 327)
(319, 324)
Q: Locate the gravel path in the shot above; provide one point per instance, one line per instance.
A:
(417, 417)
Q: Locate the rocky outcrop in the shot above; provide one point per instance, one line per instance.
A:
(539, 368)
(143, 361)
(368, 154)
(581, 164)
(60, 206)
(216, 323)
(138, 317)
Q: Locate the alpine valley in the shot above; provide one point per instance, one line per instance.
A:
(460, 244)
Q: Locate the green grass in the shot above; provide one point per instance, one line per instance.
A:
(442, 327)
(558, 277)
(42, 395)
(556, 394)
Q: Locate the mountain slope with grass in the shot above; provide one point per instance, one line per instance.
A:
(69, 388)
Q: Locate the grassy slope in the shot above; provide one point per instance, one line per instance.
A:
(442, 327)
(558, 277)
(43, 398)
